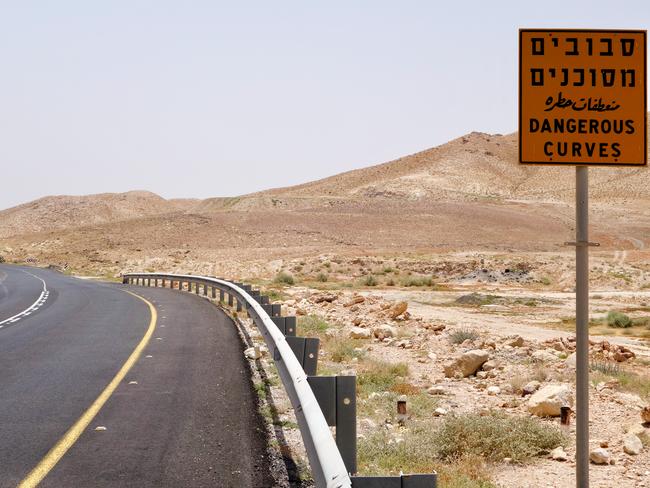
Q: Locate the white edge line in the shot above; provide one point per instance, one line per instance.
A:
(32, 306)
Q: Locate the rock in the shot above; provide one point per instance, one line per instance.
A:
(530, 387)
(516, 341)
(570, 362)
(548, 401)
(544, 356)
(489, 365)
(368, 424)
(600, 456)
(493, 390)
(636, 429)
(632, 445)
(354, 300)
(384, 331)
(645, 414)
(433, 356)
(467, 364)
(332, 333)
(604, 444)
(558, 346)
(439, 412)
(324, 297)
(481, 375)
(253, 353)
(360, 333)
(558, 454)
(397, 310)
(436, 390)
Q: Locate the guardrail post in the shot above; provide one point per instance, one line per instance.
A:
(306, 351)
(230, 300)
(222, 295)
(276, 310)
(239, 305)
(205, 289)
(196, 288)
(214, 292)
(403, 481)
(336, 395)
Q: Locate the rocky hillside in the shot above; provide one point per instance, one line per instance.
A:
(63, 212)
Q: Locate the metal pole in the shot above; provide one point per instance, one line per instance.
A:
(582, 327)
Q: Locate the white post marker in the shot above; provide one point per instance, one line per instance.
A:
(582, 102)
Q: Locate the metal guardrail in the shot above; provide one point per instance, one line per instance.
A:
(318, 401)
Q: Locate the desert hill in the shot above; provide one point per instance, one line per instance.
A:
(63, 212)
(476, 165)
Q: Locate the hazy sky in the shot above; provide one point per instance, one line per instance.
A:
(209, 98)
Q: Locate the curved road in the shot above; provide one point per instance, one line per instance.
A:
(183, 415)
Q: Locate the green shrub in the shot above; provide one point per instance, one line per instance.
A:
(369, 280)
(496, 436)
(418, 281)
(619, 320)
(461, 335)
(322, 277)
(284, 278)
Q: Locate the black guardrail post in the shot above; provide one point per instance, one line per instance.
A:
(337, 398)
(403, 481)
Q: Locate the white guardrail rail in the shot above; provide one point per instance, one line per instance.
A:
(318, 401)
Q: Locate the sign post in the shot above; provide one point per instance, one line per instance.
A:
(582, 102)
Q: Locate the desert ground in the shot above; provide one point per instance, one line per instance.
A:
(441, 279)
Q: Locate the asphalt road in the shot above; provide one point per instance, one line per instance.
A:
(183, 416)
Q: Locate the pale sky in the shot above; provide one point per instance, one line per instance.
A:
(209, 98)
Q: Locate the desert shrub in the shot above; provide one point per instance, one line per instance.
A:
(390, 282)
(369, 280)
(605, 367)
(496, 436)
(618, 319)
(418, 281)
(312, 324)
(284, 278)
(343, 350)
(2, 259)
(381, 376)
(322, 277)
(459, 336)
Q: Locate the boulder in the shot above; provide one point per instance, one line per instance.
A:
(489, 365)
(397, 310)
(360, 333)
(467, 364)
(436, 390)
(384, 331)
(530, 387)
(516, 341)
(600, 455)
(632, 445)
(570, 362)
(548, 401)
(544, 356)
(493, 390)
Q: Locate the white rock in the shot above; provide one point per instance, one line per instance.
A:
(544, 356)
(493, 390)
(384, 331)
(360, 333)
(253, 353)
(489, 365)
(632, 445)
(436, 390)
(467, 364)
(548, 401)
(558, 454)
(570, 362)
(439, 412)
(531, 387)
(600, 456)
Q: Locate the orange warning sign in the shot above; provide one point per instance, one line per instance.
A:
(582, 97)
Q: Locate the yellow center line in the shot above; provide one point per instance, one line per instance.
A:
(70, 437)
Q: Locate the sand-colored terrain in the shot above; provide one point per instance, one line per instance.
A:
(465, 237)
